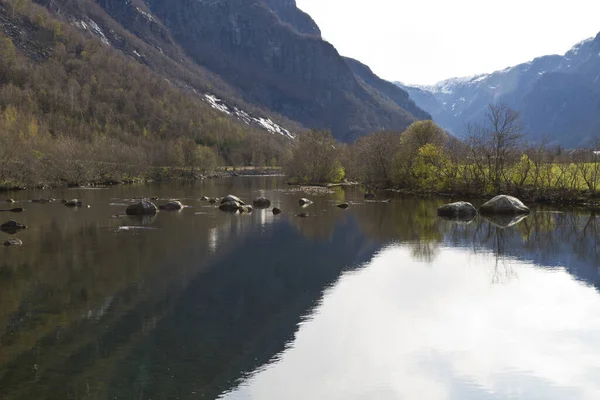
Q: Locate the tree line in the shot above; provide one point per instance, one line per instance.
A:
(493, 158)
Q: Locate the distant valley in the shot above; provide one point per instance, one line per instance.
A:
(558, 96)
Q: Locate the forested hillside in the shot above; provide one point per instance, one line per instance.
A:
(74, 110)
(269, 52)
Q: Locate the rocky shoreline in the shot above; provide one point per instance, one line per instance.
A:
(579, 199)
(175, 176)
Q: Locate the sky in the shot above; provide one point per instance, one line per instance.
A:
(425, 41)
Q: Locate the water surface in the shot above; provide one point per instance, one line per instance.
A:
(380, 301)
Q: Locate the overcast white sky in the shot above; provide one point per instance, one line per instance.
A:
(425, 41)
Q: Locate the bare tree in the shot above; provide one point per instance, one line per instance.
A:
(376, 154)
(314, 158)
(495, 142)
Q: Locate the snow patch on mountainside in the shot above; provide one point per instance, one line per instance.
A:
(264, 123)
(216, 103)
(92, 27)
(575, 49)
(448, 86)
(455, 102)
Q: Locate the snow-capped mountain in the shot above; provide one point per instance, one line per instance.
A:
(558, 96)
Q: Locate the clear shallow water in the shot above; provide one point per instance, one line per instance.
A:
(381, 301)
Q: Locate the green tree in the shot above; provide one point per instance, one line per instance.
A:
(416, 136)
(430, 167)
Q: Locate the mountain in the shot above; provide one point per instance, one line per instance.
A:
(288, 12)
(558, 96)
(264, 55)
(399, 96)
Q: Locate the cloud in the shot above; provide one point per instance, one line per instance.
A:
(400, 329)
(429, 40)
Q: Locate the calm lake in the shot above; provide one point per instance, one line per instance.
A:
(381, 301)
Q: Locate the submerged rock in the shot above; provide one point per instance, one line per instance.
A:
(504, 205)
(304, 202)
(343, 206)
(245, 209)
(73, 203)
(230, 206)
(460, 210)
(213, 201)
(10, 200)
(13, 243)
(276, 211)
(262, 202)
(204, 198)
(369, 196)
(42, 201)
(144, 207)
(12, 227)
(17, 210)
(302, 215)
(172, 206)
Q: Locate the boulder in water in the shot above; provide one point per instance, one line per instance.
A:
(302, 215)
(73, 203)
(304, 202)
(504, 205)
(369, 196)
(459, 210)
(230, 206)
(230, 198)
(276, 211)
(12, 227)
(144, 207)
(262, 202)
(172, 206)
(343, 206)
(245, 209)
(13, 243)
(204, 198)
(10, 200)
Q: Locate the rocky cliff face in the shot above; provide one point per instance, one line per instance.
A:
(558, 96)
(288, 12)
(271, 55)
(277, 64)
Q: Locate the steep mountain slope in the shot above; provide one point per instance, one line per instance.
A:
(558, 96)
(288, 13)
(264, 53)
(388, 89)
(74, 110)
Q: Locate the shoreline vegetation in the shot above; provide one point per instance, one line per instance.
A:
(424, 160)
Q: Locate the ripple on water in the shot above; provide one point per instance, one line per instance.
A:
(135, 228)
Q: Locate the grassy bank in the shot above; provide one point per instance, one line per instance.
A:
(425, 160)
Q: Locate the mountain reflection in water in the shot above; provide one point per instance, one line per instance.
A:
(383, 300)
